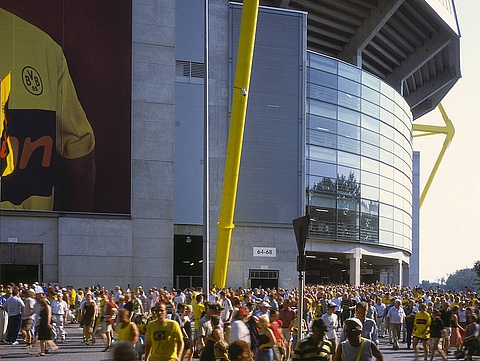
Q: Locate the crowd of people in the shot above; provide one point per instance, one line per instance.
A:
(339, 322)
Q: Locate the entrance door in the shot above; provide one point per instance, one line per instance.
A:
(21, 262)
(264, 278)
(188, 261)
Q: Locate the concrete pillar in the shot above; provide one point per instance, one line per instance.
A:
(398, 272)
(355, 263)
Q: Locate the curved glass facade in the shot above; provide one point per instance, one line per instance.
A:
(359, 156)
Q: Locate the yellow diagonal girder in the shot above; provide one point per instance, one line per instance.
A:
(243, 70)
(449, 130)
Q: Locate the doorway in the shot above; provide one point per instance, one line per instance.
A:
(21, 262)
(188, 261)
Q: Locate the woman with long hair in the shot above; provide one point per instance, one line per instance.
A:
(266, 340)
(456, 338)
(88, 318)
(44, 331)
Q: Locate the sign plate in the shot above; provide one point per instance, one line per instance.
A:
(264, 252)
(12, 239)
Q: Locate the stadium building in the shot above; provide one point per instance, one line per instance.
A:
(336, 87)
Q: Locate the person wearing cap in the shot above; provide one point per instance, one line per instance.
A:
(396, 317)
(356, 347)
(316, 346)
(239, 330)
(330, 320)
(59, 315)
(263, 308)
(205, 328)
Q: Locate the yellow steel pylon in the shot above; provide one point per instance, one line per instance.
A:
(448, 130)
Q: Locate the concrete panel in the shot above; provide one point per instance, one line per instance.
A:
(157, 151)
(156, 131)
(153, 228)
(94, 227)
(155, 93)
(157, 269)
(145, 111)
(151, 188)
(153, 54)
(153, 73)
(149, 14)
(91, 266)
(153, 34)
(39, 230)
(161, 3)
(152, 208)
(148, 169)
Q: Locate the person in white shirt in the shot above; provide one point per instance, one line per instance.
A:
(28, 318)
(227, 312)
(14, 307)
(239, 330)
(59, 315)
(396, 316)
(330, 319)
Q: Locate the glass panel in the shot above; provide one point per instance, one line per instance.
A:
(323, 78)
(386, 156)
(323, 139)
(349, 71)
(370, 137)
(370, 123)
(348, 86)
(370, 179)
(370, 192)
(322, 93)
(370, 108)
(348, 116)
(348, 182)
(368, 228)
(321, 168)
(370, 165)
(370, 94)
(320, 153)
(386, 210)
(322, 109)
(349, 101)
(371, 81)
(323, 124)
(324, 63)
(323, 184)
(370, 150)
(369, 207)
(348, 144)
(386, 103)
(387, 117)
(348, 130)
(348, 159)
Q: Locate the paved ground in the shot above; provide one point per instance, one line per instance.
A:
(74, 350)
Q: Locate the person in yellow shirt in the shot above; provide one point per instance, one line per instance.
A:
(421, 329)
(164, 337)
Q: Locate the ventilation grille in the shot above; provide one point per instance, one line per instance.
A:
(264, 274)
(189, 72)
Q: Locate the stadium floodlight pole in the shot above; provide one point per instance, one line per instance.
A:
(449, 131)
(243, 70)
(206, 163)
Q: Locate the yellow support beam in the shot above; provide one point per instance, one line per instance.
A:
(243, 70)
(449, 130)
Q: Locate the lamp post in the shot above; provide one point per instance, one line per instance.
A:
(300, 227)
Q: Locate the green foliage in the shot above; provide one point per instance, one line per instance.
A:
(461, 279)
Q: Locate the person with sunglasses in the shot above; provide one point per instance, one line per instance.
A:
(355, 347)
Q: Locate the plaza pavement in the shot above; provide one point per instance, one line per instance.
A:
(74, 350)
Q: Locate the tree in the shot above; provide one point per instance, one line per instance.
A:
(460, 279)
(476, 268)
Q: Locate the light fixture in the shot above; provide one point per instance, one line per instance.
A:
(188, 239)
(321, 210)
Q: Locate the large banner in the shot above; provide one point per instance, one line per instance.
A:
(67, 113)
